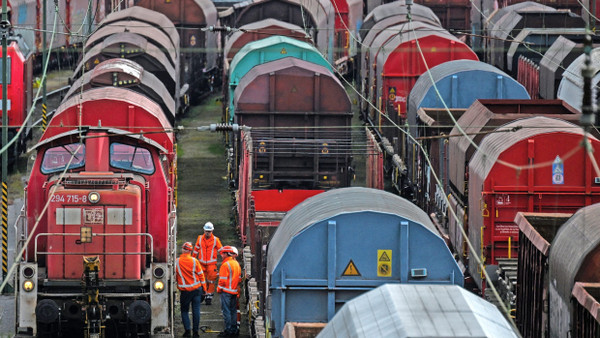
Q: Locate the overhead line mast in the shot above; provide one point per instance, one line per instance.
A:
(4, 30)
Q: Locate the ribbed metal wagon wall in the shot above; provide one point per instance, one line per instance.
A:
(301, 118)
(586, 319)
(536, 233)
(199, 56)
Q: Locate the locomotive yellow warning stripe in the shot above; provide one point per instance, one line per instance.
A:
(44, 117)
(4, 229)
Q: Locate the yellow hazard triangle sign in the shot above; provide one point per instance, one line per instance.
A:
(351, 270)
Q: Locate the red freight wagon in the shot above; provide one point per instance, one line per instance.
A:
(402, 54)
(19, 91)
(554, 174)
(132, 112)
(382, 17)
(348, 13)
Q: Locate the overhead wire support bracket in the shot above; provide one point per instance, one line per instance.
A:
(588, 106)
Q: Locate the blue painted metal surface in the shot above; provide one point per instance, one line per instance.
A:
(310, 253)
(265, 50)
(460, 83)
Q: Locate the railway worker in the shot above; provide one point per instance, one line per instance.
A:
(207, 246)
(230, 275)
(191, 284)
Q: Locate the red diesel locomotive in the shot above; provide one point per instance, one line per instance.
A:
(100, 220)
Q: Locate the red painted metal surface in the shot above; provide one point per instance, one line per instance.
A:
(400, 59)
(497, 192)
(280, 200)
(19, 88)
(528, 75)
(125, 261)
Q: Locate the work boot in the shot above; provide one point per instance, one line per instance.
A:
(223, 334)
(196, 334)
(187, 333)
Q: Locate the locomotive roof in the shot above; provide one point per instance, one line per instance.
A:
(577, 240)
(336, 202)
(410, 310)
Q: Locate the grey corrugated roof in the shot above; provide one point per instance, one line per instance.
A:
(571, 86)
(335, 202)
(572, 244)
(494, 144)
(472, 122)
(410, 310)
(527, 32)
(441, 71)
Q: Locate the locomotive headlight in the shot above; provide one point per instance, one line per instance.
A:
(159, 286)
(94, 197)
(28, 286)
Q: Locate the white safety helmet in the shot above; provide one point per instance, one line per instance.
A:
(230, 250)
(208, 226)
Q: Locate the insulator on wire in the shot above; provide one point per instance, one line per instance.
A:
(588, 107)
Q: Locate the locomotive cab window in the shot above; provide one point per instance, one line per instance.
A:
(57, 158)
(8, 68)
(128, 157)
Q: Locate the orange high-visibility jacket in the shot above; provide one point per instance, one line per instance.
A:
(230, 275)
(188, 273)
(206, 249)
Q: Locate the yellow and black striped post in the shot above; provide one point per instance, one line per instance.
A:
(4, 230)
(44, 117)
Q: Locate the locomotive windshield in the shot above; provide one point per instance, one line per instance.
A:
(57, 158)
(132, 158)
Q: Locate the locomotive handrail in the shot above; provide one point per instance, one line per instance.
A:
(151, 252)
(20, 237)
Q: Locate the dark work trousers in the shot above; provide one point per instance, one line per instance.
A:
(194, 297)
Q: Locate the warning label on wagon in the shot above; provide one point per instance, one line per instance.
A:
(384, 263)
(351, 270)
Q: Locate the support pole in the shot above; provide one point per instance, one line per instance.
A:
(4, 29)
(44, 52)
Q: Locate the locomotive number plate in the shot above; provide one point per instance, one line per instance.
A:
(93, 216)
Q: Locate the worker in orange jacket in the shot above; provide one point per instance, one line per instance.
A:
(230, 276)
(205, 250)
(191, 284)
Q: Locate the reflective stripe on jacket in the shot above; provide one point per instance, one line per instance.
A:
(206, 249)
(230, 275)
(189, 273)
